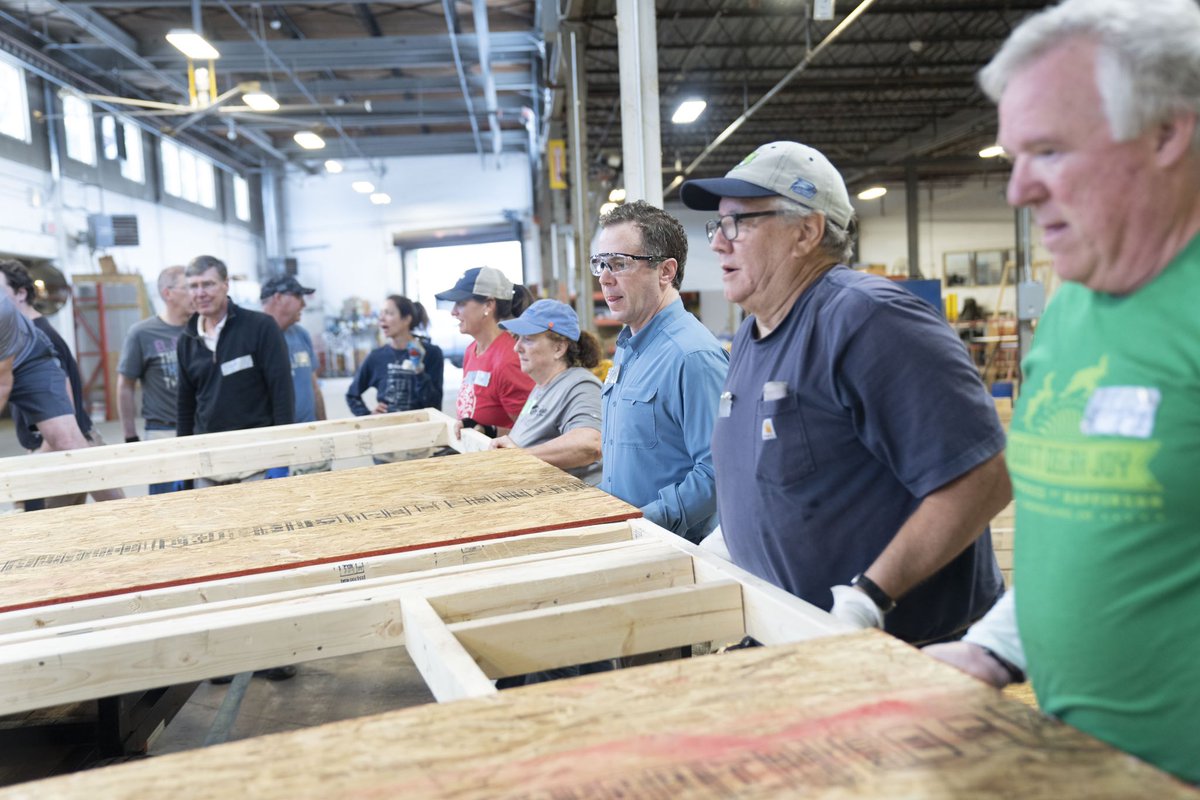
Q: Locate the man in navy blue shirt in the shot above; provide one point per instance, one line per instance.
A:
(858, 455)
(660, 398)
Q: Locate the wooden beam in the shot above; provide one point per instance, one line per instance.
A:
(44, 620)
(528, 641)
(95, 472)
(448, 670)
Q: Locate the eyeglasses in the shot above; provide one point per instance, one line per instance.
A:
(728, 223)
(618, 262)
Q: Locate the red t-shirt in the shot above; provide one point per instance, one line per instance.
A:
(494, 388)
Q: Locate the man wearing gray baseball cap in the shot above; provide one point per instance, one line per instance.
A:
(858, 455)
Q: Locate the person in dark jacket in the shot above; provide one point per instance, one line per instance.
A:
(234, 371)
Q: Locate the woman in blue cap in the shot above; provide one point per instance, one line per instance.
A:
(494, 388)
(560, 422)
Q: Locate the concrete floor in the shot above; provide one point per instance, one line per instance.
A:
(322, 691)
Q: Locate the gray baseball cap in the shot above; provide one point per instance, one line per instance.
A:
(481, 282)
(789, 169)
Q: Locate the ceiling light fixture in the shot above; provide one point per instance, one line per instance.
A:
(873, 193)
(363, 187)
(688, 111)
(309, 140)
(260, 101)
(617, 195)
(381, 198)
(333, 166)
(192, 44)
(607, 208)
(993, 151)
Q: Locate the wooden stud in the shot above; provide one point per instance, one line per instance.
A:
(447, 668)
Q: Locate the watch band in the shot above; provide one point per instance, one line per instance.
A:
(878, 596)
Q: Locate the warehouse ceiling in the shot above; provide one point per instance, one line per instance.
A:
(894, 91)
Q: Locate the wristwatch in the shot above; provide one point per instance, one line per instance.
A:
(878, 596)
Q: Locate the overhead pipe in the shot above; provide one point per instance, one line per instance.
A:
(484, 48)
(448, 8)
(774, 90)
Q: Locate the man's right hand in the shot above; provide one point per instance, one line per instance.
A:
(971, 659)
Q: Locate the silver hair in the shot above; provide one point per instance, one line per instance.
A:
(202, 264)
(838, 242)
(168, 278)
(1148, 64)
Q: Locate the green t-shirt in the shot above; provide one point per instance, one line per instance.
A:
(1105, 459)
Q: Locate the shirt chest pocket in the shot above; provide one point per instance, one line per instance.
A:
(633, 411)
(782, 454)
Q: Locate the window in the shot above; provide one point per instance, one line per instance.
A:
(241, 198)
(80, 131)
(121, 141)
(188, 175)
(14, 102)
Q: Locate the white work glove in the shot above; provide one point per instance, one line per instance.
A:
(989, 643)
(854, 608)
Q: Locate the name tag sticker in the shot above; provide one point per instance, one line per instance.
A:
(768, 430)
(483, 378)
(1127, 411)
(726, 406)
(775, 390)
(237, 364)
(301, 359)
(613, 374)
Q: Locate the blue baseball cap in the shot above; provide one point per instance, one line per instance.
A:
(545, 315)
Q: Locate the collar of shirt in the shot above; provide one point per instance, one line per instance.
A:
(637, 341)
(210, 340)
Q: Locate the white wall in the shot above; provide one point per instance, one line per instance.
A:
(343, 243)
(31, 224)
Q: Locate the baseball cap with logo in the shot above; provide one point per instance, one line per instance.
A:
(546, 315)
(788, 169)
(283, 284)
(479, 282)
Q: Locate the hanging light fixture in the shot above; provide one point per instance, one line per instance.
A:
(873, 193)
(309, 140)
(192, 44)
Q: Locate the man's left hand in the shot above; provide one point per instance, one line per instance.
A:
(853, 607)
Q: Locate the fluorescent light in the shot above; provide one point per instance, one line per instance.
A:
(192, 44)
(688, 111)
(381, 198)
(616, 195)
(991, 152)
(333, 166)
(363, 187)
(607, 208)
(260, 101)
(309, 140)
(873, 193)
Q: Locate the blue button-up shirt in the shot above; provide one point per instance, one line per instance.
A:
(659, 405)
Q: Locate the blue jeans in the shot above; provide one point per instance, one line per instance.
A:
(156, 430)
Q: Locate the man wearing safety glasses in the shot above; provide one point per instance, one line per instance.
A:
(858, 455)
(660, 399)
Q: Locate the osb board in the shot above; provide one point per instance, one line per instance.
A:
(227, 531)
(855, 716)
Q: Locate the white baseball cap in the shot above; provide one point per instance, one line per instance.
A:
(796, 171)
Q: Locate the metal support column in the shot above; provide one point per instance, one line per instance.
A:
(912, 216)
(637, 48)
(580, 212)
(1031, 295)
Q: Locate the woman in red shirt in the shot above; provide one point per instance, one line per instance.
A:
(494, 388)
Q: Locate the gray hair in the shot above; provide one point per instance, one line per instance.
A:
(1148, 63)
(836, 242)
(202, 264)
(662, 234)
(168, 277)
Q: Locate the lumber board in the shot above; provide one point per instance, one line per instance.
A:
(854, 716)
(246, 456)
(143, 543)
(628, 625)
(447, 667)
(55, 619)
(177, 645)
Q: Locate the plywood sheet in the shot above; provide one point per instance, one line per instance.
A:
(164, 540)
(854, 716)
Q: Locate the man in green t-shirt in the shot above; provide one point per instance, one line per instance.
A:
(1099, 103)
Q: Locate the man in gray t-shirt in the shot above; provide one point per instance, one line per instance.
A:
(148, 355)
